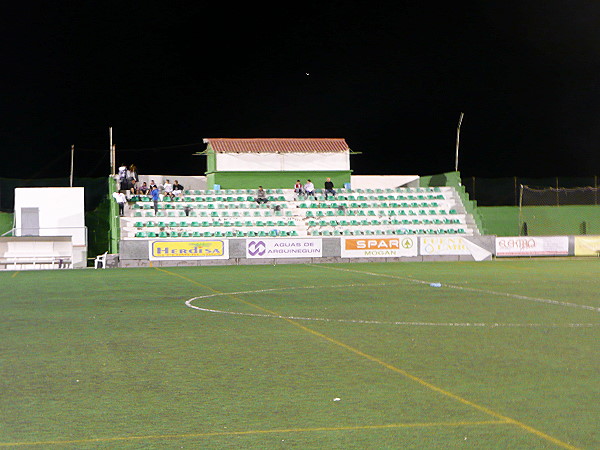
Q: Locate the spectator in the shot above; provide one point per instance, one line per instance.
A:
(177, 189)
(144, 189)
(153, 185)
(309, 189)
(329, 188)
(261, 195)
(123, 177)
(298, 188)
(168, 189)
(155, 193)
(121, 200)
(132, 177)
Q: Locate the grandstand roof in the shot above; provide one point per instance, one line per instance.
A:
(277, 145)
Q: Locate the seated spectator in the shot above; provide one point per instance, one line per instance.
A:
(329, 188)
(177, 189)
(168, 189)
(144, 189)
(261, 195)
(298, 188)
(309, 189)
(153, 185)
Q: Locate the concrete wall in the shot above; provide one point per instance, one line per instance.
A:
(135, 253)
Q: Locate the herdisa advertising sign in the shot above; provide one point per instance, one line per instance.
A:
(284, 248)
(379, 247)
(205, 249)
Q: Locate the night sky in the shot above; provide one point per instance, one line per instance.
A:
(392, 80)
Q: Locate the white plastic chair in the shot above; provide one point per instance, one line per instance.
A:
(100, 261)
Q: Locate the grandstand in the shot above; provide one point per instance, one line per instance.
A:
(233, 213)
(220, 210)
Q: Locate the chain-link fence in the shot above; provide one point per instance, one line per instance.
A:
(506, 191)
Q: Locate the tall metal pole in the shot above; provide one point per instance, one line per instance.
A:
(72, 158)
(110, 150)
(457, 141)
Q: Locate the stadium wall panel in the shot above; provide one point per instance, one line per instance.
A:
(499, 220)
(275, 180)
(6, 222)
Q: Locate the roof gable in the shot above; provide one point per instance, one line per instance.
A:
(277, 145)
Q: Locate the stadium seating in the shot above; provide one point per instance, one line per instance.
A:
(234, 213)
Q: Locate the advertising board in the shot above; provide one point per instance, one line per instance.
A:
(532, 246)
(451, 245)
(284, 248)
(204, 249)
(587, 245)
(379, 247)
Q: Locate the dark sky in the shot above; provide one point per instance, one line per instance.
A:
(392, 80)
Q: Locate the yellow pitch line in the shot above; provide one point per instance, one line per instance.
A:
(248, 432)
(404, 373)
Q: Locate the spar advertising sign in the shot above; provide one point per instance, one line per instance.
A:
(379, 247)
(532, 246)
(284, 248)
(170, 250)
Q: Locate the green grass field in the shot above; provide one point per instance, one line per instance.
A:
(504, 354)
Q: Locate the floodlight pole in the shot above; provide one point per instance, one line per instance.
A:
(72, 158)
(111, 151)
(457, 141)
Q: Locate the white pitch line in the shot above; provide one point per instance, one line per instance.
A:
(360, 321)
(482, 291)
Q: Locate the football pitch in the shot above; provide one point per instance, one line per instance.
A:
(500, 354)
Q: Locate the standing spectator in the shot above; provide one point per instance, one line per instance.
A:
(309, 189)
(329, 187)
(132, 177)
(261, 195)
(298, 188)
(168, 189)
(177, 189)
(122, 177)
(155, 193)
(121, 199)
